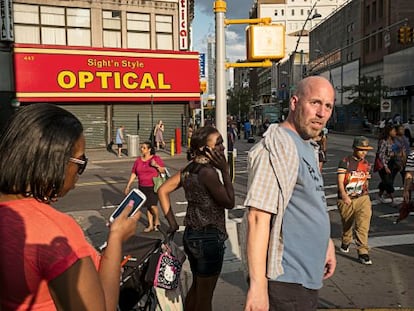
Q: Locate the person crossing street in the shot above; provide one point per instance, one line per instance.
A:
(354, 203)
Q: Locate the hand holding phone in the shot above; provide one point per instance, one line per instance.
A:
(134, 195)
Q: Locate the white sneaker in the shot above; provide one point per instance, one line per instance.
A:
(384, 200)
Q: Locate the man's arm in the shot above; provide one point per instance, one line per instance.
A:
(330, 262)
(257, 246)
(341, 188)
(408, 181)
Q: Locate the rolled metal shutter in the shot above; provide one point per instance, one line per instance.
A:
(93, 121)
(137, 119)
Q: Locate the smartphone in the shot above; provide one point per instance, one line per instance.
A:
(139, 199)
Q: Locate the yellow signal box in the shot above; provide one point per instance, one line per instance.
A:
(203, 87)
(265, 42)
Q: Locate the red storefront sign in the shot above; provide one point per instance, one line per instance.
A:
(51, 73)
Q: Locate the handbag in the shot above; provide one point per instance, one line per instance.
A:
(378, 165)
(164, 269)
(160, 179)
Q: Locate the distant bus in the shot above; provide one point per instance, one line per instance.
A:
(271, 112)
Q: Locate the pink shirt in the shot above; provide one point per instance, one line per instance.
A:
(145, 172)
(38, 243)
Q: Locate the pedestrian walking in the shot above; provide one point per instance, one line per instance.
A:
(147, 166)
(322, 141)
(354, 203)
(159, 135)
(205, 225)
(390, 168)
(119, 139)
(289, 249)
(402, 149)
(46, 263)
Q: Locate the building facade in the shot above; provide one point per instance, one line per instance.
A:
(275, 84)
(111, 63)
(358, 47)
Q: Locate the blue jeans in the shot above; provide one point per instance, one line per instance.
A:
(205, 250)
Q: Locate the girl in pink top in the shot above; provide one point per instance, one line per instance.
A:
(146, 167)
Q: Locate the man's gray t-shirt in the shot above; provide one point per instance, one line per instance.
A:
(306, 226)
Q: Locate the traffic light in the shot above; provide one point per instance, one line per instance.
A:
(405, 35)
(401, 35)
(203, 87)
(410, 35)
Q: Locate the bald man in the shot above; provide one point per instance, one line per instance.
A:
(289, 248)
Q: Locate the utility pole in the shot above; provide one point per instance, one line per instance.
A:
(221, 103)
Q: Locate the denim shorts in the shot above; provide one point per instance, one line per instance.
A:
(205, 250)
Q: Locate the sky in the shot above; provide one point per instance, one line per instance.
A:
(204, 26)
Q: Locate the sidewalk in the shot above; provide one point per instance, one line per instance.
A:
(385, 284)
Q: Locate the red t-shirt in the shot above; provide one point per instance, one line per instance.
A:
(357, 174)
(38, 243)
(145, 172)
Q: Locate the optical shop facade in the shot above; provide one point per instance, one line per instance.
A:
(111, 63)
(107, 88)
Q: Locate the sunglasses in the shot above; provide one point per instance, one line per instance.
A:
(82, 162)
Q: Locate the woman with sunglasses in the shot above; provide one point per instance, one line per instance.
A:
(46, 262)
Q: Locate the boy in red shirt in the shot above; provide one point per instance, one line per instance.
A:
(354, 203)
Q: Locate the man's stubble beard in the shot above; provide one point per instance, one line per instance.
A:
(304, 131)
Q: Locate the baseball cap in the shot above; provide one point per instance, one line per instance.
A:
(361, 142)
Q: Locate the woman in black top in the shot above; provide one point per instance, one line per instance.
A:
(207, 197)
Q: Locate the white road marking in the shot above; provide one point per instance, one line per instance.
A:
(181, 203)
(391, 240)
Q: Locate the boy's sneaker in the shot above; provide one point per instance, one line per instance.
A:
(344, 248)
(384, 200)
(364, 259)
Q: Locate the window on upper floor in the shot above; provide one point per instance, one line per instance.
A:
(367, 15)
(275, 13)
(380, 9)
(51, 25)
(373, 43)
(138, 31)
(301, 12)
(380, 40)
(293, 12)
(164, 32)
(283, 12)
(111, 25)
(374, 11)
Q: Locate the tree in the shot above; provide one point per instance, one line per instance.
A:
(239, 101)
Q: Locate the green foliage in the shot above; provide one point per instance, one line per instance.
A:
(239, 99)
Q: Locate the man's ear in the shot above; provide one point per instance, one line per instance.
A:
(294, 100)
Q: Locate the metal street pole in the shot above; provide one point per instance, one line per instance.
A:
(221, 103)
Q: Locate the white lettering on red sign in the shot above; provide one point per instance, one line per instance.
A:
(183, 25)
